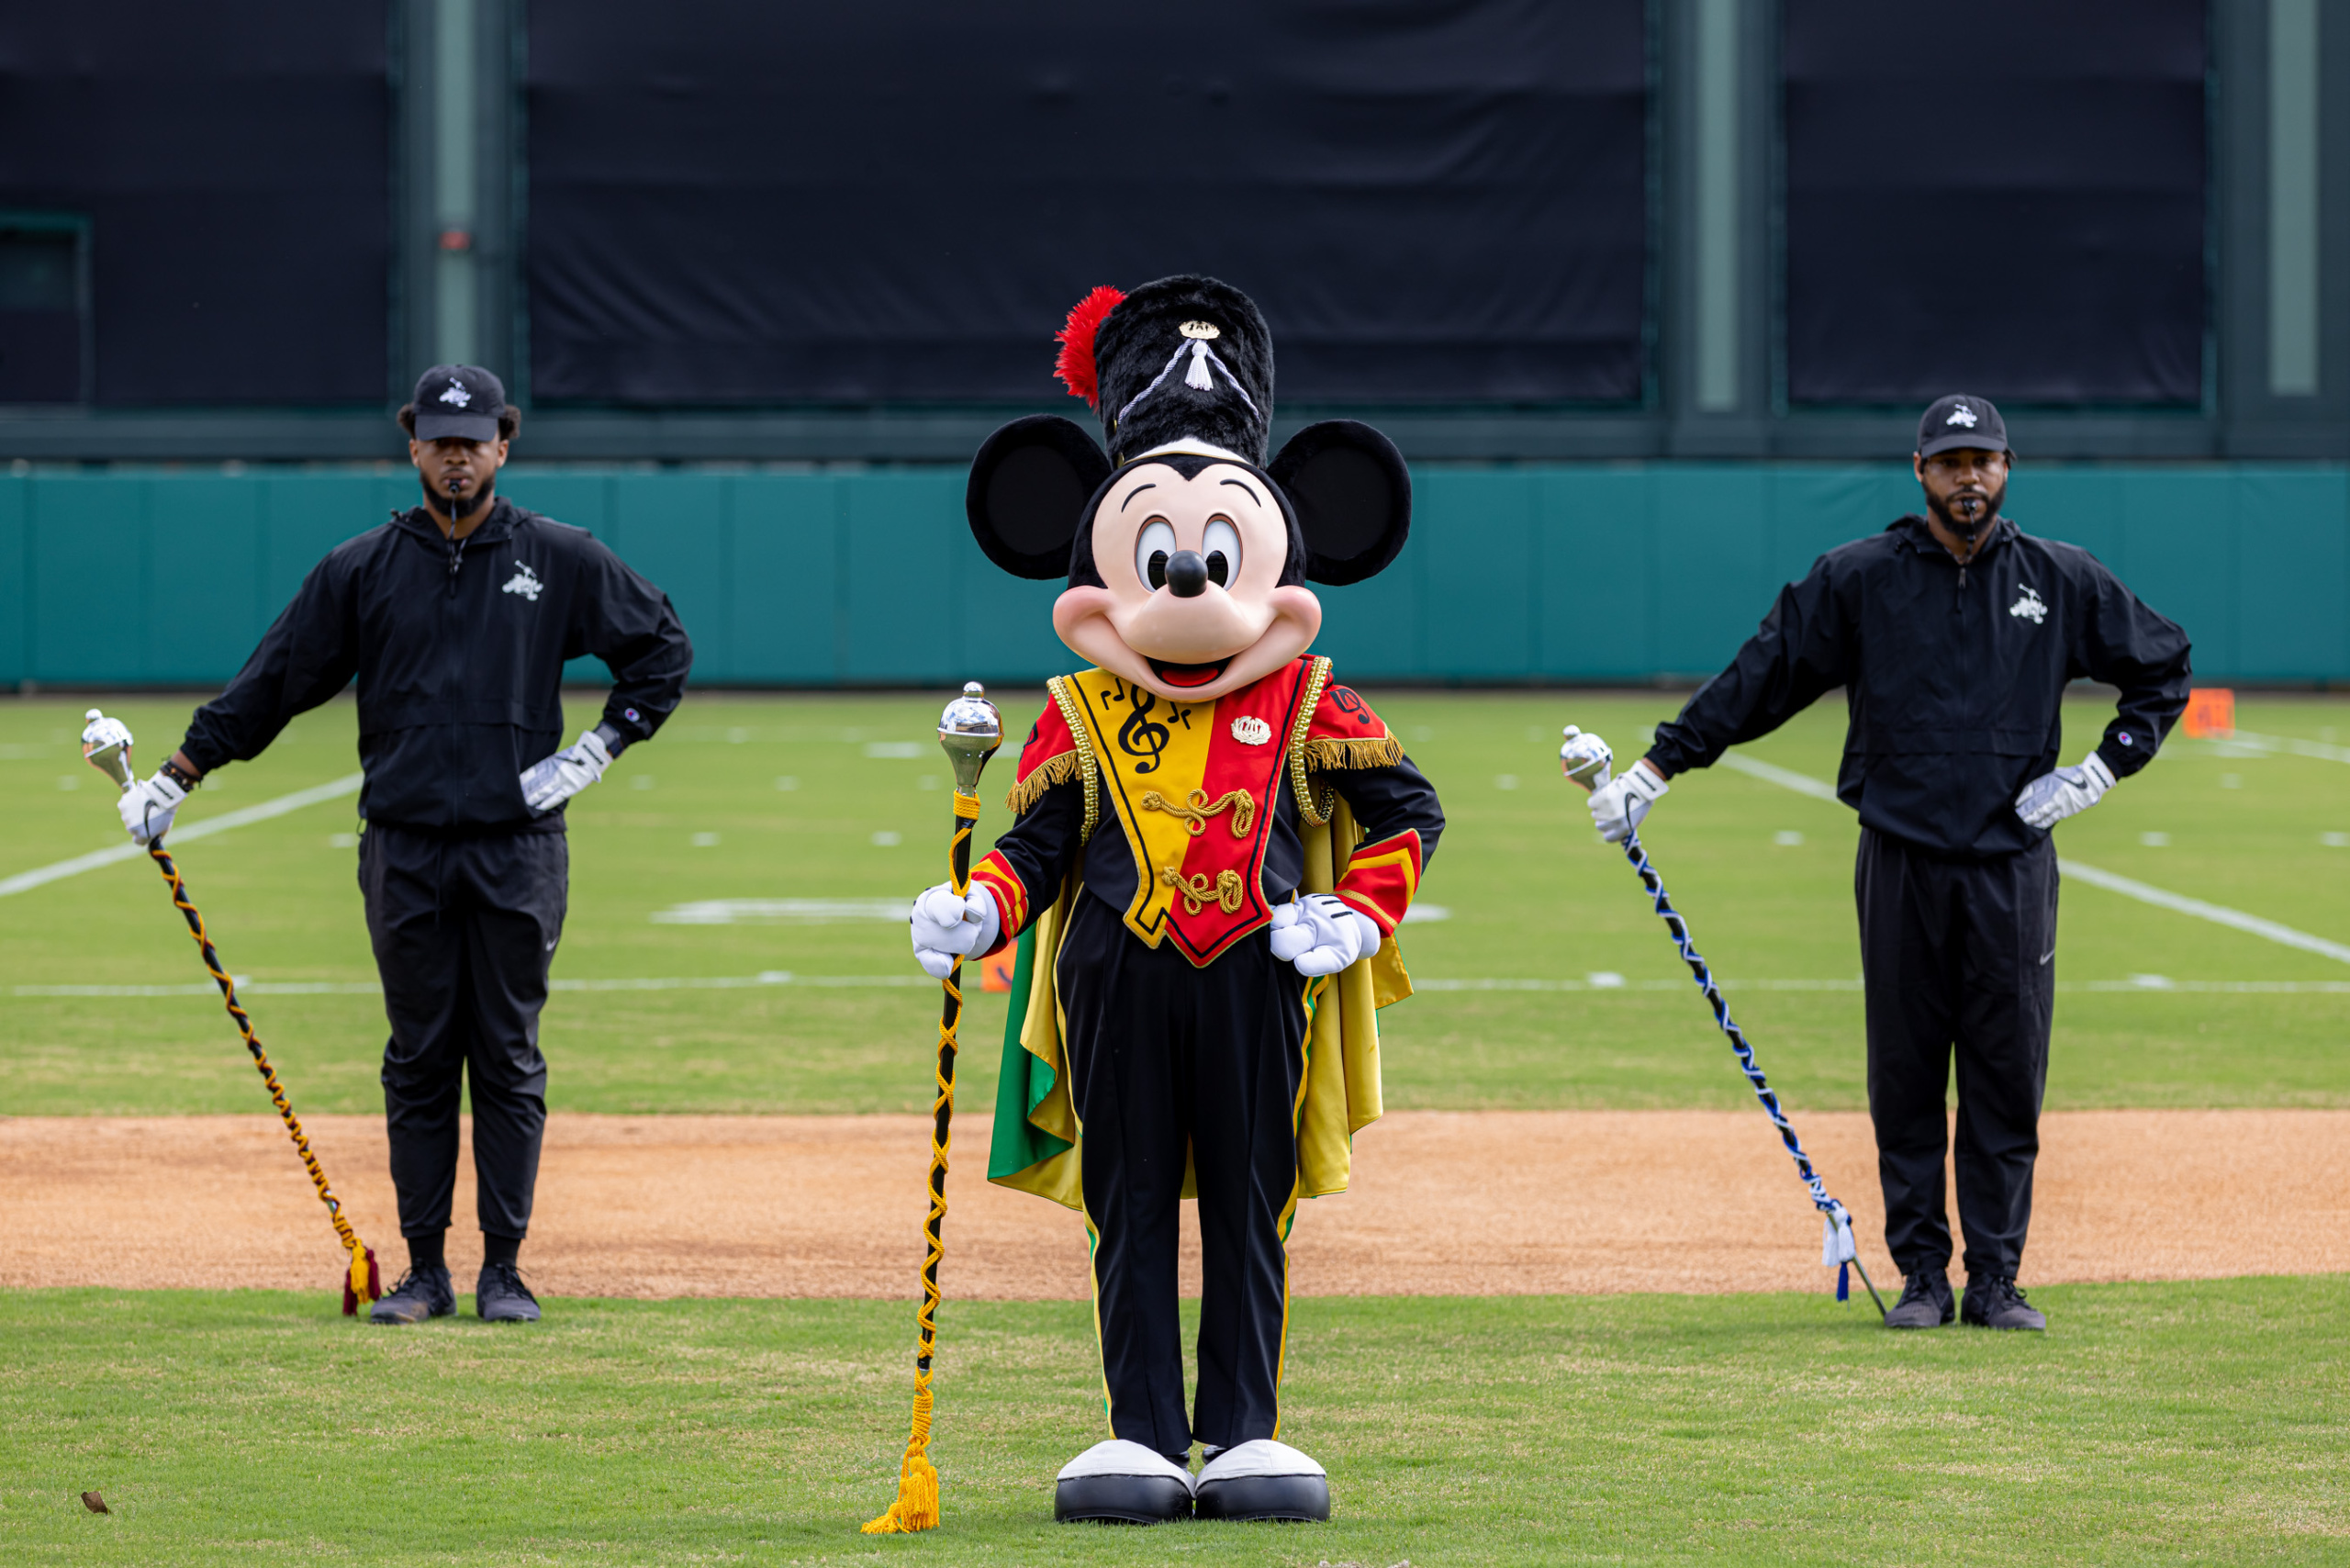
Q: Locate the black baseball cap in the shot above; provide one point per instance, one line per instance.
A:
(1960, 420)
(461, 401)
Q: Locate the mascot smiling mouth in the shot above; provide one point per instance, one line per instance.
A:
(1188, 676)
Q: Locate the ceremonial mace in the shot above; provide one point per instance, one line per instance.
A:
(1586, 768)
(970, 731)
(105, 744)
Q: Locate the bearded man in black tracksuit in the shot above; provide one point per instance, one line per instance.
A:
(456, 617)
(1954, 635)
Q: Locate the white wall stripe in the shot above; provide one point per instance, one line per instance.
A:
(25, 880)
(2217, 914)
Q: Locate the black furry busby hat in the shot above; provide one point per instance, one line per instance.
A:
(1182, 366)
(1186, 358)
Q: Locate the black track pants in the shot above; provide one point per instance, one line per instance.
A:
(1957, 954)
(463, 931)
(1163, 1057)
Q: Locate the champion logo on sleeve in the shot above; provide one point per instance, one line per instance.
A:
(525, 582)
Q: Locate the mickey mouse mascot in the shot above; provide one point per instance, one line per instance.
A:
(1213, 846)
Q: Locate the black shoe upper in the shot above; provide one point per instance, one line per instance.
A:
(420, 1293)
(1993, 1301)
(500, 1296)
(1925, 1302)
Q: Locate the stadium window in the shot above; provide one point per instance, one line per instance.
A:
(44, 339)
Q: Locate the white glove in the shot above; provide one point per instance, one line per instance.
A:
(2051, 797)
(1618, 805)
(1322, 934)
(1585, 760)
(947, 928)
(147, 808)
(551, 781)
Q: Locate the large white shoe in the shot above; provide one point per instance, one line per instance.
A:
(1123, 1482)
(1262, 1480)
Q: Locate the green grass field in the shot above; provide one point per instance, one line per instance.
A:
(2154, 1423)
(783, 798)
(2162, 1424)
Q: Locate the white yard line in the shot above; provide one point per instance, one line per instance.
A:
(785, 977)
(25, 880)
(2217, 914)
(2292, 744)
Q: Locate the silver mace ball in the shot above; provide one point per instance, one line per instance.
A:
(970, 731)
(106, 745)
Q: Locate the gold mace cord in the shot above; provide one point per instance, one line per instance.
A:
(364, 1281)
(917, 1507)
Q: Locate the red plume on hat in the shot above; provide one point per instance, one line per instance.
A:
(1074, 366)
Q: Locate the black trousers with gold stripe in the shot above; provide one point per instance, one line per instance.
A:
(1166, 1058)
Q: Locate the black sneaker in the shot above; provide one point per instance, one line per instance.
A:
(500, 1296)
(418, 1295)
(1925, 1302)
(1993, 1301)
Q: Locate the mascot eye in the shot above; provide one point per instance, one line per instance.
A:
(1222, 547)
(1158, 542)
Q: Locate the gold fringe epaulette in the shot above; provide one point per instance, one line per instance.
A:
(1062, 769)
(1382, 751)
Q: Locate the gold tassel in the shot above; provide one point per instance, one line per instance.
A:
(917, 1504)
(1382, 751)
(1053, 770)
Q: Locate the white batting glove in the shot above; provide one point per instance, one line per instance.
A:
(1618, 805)
(947, 927)
(2051, 797)
(1585, 760)
(147, 808)
(1322, 934)
(553, 780)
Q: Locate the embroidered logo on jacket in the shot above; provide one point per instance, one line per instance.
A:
(1250, 730)
(1962, 417)
(526, 582)
(2030, 607)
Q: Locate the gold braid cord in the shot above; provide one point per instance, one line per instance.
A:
(1242, 805)
(1315, 812)
(916, 1507)
(1196, 894)
(364, 1281)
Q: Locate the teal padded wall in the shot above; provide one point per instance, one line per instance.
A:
(849, 575)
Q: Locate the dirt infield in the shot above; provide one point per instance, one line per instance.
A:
(1484, 1204)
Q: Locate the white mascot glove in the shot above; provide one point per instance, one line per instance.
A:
(551, 781)
(147, 808)
(2051, 797)
(1322, 934)
(1618, 805)
(947, 928)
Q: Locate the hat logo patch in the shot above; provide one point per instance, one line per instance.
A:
(2030, 607)
(1206, 329)
(1962, 416)
(456, 397)
(526, 582)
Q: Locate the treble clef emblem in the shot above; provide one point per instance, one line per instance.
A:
(1138, 736)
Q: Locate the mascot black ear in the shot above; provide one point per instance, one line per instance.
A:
(1352, 496)
(1028, 489)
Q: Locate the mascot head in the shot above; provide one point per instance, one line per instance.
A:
(1187, 553)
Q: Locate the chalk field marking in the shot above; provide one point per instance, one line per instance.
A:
(2292, 744)
(2157, 984)
(25, 880)
(2074, 871)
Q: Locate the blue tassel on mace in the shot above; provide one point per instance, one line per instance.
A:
(1843, 1281)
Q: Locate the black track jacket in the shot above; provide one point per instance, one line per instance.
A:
(1954, 677)
(459, 653)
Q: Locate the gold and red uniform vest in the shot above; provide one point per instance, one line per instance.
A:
(1195, 788)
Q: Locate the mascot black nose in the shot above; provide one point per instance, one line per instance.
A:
(1187, 574)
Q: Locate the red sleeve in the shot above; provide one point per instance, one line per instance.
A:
(995, 873)
(1382, 877)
